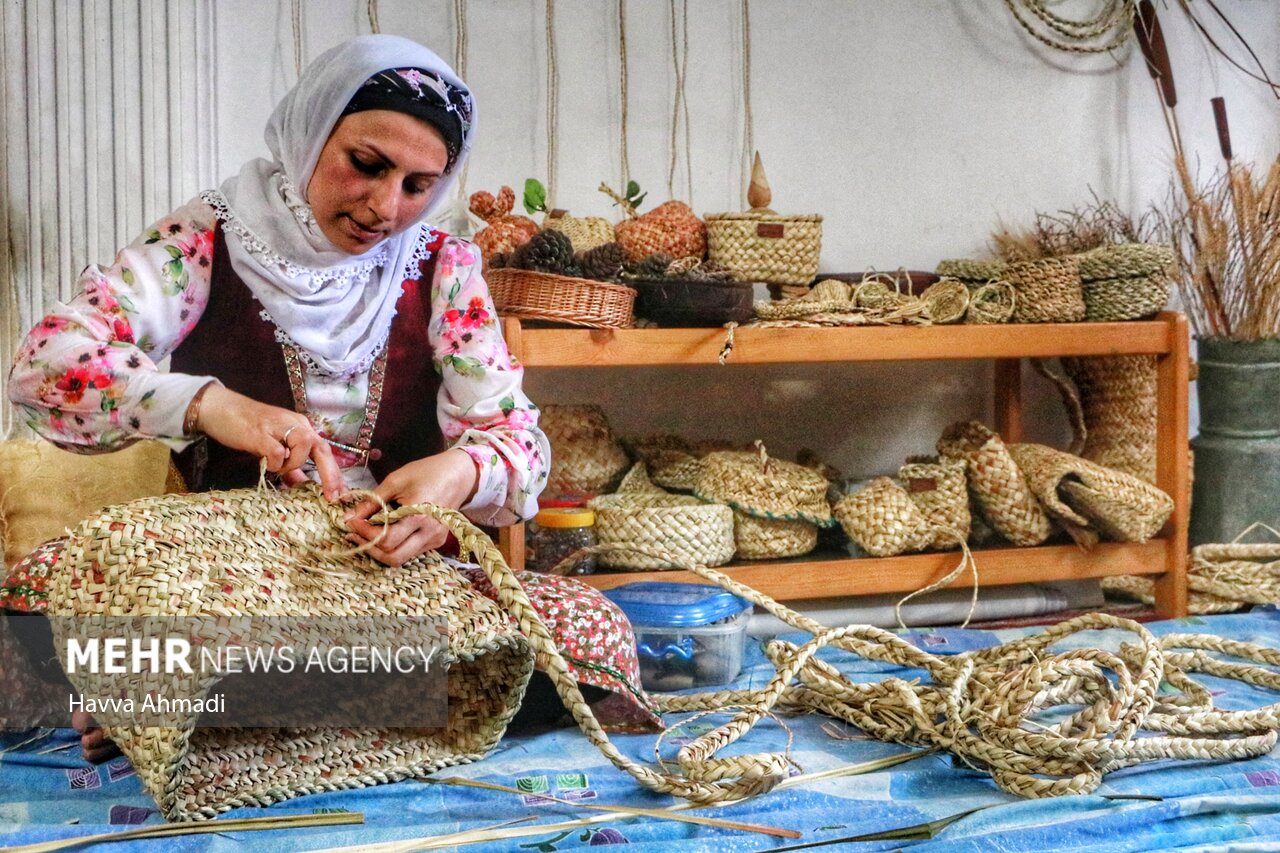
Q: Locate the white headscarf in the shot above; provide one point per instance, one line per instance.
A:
(334, 306)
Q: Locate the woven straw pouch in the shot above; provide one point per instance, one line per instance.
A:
(1002, 493)
(764, 487)
(585, 457)
(264, 553)
(763, 539)
(883, 520)
(939, 489)
(1048, 290)
(1118, 398)
(584, 232)
(1086, 496)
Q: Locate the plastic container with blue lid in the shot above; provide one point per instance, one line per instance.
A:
(687, 635)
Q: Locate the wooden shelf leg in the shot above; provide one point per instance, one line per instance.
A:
(1173, 471)
(511, 544)
(1007, 399)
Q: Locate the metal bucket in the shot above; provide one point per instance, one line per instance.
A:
(1237, 453)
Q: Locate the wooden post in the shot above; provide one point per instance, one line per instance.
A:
(1007, 399)
(1173, 464)
(511, 538)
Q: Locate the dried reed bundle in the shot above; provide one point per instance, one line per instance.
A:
(1228, 249)
(1068, 232)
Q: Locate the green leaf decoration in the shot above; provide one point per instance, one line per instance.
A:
(472, 368)
(535, 196)
(633, 189)
(174, 252)
(508, 405)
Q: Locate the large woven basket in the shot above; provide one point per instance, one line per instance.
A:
(1117, 395)
(766, 488)
(997, 484)
(585, 456)
(210, 557)
(561, 299)
(640, 524)
(763, 246)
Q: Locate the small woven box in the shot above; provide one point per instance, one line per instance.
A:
(766, 488)
(763, 538)
(1047, 290)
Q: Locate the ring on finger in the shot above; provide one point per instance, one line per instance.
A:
(284, 439)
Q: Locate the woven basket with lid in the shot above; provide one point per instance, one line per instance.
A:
(765, 487)
(760, 245)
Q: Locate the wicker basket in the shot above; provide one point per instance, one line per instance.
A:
(1118, 398)
(1048, 290)
(764, 539)
(1126, 260)
(1113, 299)
(561, 299)
(883, 519)
(1085, 496)
(997, 484)
(763, 246)
(939, 488)
(585, 457)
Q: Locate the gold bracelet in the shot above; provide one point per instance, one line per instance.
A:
(192, 416)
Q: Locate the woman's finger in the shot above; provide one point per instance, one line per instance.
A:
(297, 446)
(327, 467)
(419, 542)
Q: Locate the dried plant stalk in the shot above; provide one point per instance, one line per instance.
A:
(1068, 232)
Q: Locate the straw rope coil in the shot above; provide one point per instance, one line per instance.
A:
(992, 302)
(997, 484)
(562, 299)
(981, 705)
(948, 300)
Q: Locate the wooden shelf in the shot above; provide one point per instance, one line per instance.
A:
(815, 577)
(1165, 337)
(550, 347)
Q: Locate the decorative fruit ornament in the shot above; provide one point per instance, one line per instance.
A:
(672, 227)
(503, 231)
(585, 232)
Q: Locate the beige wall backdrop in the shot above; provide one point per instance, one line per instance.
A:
(914, 128)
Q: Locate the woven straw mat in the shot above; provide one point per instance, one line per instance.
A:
(766, 488)
(1086, 496)
(170, 556)
(883, 520)
(1002, 493)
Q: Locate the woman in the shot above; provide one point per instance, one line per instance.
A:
(311, 317)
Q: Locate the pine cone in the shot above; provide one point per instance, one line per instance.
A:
(652, 267)
(500, 260)
(547, 251)
(603, 263)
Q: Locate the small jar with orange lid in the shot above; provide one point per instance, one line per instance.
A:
(557, 532)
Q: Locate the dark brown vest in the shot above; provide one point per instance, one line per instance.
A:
(234, 343)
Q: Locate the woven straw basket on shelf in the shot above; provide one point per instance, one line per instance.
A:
(561, 299)
(996, 482)
(883, 520)
(939, 489)
(1117, 398)
(584, 232)
(760, 245)
(640, 520)
(1047, 290)
(764, 539)
(210, 557)
(585, 456)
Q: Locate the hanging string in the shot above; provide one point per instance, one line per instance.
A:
(623, 159)
(1113, 22)
(553, 100)
(748, 141)
(460, 67)
(371, 6)
(680, 104)
(297, 36)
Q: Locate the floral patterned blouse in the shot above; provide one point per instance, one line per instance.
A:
(86, 377)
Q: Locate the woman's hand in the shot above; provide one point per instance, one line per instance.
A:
(446, 479)
(283, 437)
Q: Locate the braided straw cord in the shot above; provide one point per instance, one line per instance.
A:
(978, 704)
(996, 483)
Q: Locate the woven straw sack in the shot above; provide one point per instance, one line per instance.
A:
(503, 231)
(760, 245)
(766, 488)
(584, 232)
(1002, 493)
(585, 456)
(758, 538)
(939, 489)
(1117, 395)
(208, 558)
(1048, 290)
(643, 523)
(883, 520)
(671, 228)
(1084, 494)
(1126, 260)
